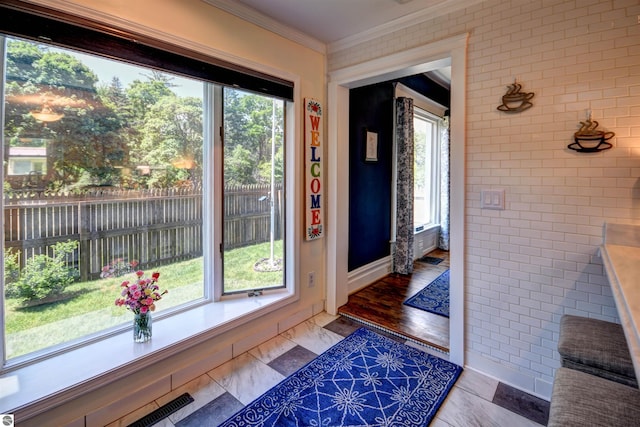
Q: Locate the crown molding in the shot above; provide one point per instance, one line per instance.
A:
(416, 60)
(418, 17)
(253, 16)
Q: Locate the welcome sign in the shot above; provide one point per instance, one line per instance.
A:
(314, 205)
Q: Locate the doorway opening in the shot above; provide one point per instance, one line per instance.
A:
(376, 207)
(448, 52)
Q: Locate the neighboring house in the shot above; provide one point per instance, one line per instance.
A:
(27, 161)
(523, 267)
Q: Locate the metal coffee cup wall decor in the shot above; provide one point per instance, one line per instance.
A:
(515, 101)
(588, 139)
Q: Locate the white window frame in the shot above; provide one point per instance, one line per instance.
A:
(434, 191)
(65, 374)
(219, 293)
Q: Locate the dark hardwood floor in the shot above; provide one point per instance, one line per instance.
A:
(381, 305)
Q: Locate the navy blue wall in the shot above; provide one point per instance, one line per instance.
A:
(370, 108)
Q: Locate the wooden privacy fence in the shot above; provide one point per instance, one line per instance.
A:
(152, 227)
(247, 215)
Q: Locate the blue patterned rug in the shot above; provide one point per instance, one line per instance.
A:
(434, 297)
(364, 380)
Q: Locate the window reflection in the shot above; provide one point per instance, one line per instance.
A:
(102, 176)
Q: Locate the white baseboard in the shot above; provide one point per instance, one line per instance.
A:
(507, 375)
(367, 274)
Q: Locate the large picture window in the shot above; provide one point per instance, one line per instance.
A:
(113, 185)
(109, 168)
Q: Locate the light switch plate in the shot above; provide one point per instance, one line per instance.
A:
(492, 199)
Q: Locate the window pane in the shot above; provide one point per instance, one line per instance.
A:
(254, 200)
(103, 176)
(423, 132)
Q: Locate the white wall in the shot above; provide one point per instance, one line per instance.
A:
(537, 259)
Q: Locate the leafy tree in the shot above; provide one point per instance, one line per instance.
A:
(419, 159)
(249, 124)
(108, 128)
(87, 138)
(239, 167)
(265, 167)
(59, 70)
(87, 141)
(20, 84)
(22, 55)
(172, 135)
(114, 97)
(143, 95)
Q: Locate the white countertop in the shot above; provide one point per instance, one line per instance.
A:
(621, 258)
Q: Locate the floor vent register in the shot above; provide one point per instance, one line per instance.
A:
(164, 411)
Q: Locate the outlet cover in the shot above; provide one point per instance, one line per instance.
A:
(312, 279)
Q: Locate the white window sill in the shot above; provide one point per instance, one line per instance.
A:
(58, 379)
(425, 227)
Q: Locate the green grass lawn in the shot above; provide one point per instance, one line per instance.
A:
(90, 306)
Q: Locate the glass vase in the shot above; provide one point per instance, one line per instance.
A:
(141, 327)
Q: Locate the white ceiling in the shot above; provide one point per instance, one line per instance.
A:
(325, 24)
(333, 20)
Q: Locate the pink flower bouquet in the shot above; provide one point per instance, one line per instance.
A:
(141, 295)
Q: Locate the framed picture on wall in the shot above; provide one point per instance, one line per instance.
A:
(371, 149)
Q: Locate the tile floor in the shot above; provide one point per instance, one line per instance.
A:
(227, 388)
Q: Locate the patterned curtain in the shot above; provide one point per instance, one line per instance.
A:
(403, 253)
(445, 187)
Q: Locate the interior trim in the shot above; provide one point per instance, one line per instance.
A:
(451, 51)
(365, 275)
(251, 15)
(426, 14)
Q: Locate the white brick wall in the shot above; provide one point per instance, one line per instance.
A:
(538, 259)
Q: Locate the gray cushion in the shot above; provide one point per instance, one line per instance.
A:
(580, 399)
(596, 347)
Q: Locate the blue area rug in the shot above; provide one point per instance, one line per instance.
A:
(433, 298)
(364, 380)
